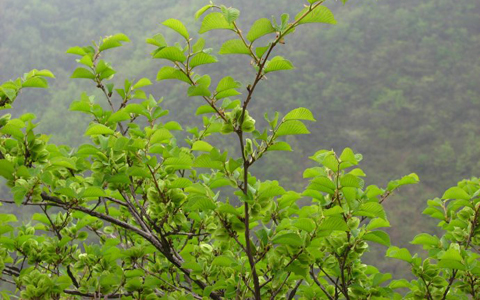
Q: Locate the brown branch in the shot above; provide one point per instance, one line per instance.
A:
(318, 283)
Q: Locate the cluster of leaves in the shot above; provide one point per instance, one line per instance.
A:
(137, 214)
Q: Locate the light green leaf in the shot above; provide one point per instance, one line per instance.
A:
(334, 223)
(94, 191)
(202, 58)
(402, 254)
(157, 40)
(278, 63)
(349, 180)
(280, 146)
(320, 14)
(378, 237)
(215, 20)
(113, 41)
(451, 264)
(223, 261)
(205, 161)
(198, 90)
(231, 14)
(199, 45)
(300, 113)
(202, 10)
(6, 169)
(202, 204)
(377, 223)
(45, 73)
(161, 135)
(178, 27)
(99, 129)
(171, 53)
(168, 72)
(227, 83)
(227, 93)
(260, 28)
(172, 125)
(305, 224)
(141, 83)
(425, 239)
(292, 127)
(291, 239)
(451, 254)
(348, 156)
(36, 82)
(82, 73)
(235, 46)
(118, 116)
(456, 193)
(202, 146)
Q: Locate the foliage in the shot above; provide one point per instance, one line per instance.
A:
(140, 214)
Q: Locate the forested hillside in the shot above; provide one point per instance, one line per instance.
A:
(397, 81)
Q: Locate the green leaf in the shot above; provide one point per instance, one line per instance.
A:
(94, 192)
(278, 63)
(235, 46)
(45, 73)
(280, 146)
(178, 27)
(456, 193)
(451, 254)
(399, 284)
(202, 204)
(349, 180)
(99, 129)
(292, 127)
(320, 14)
(82, 73)
(371, 210)
(227, 83)
(113, 41)
(223, 261)
(119, 116)
(198, 90)
(157, 40)
(425, 239)
(161, 135)
(199, 45)
(12, 130)
(402, 254)
(168, 72)
(291, 239)
(334, 223)
(260, 28)
(204, 109)
(227, 93)
(230, 14)
(201, 146)
(300, 113)
(451, 264)
(36, 82)
(202, 58)
(141, 83)
(76, 50)
(171, 53)
(377, 223)
(6, 169)
(215, 20)
(378, 237)
(205, 161)
(348, 156)
(305, 224)
(202, 10)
